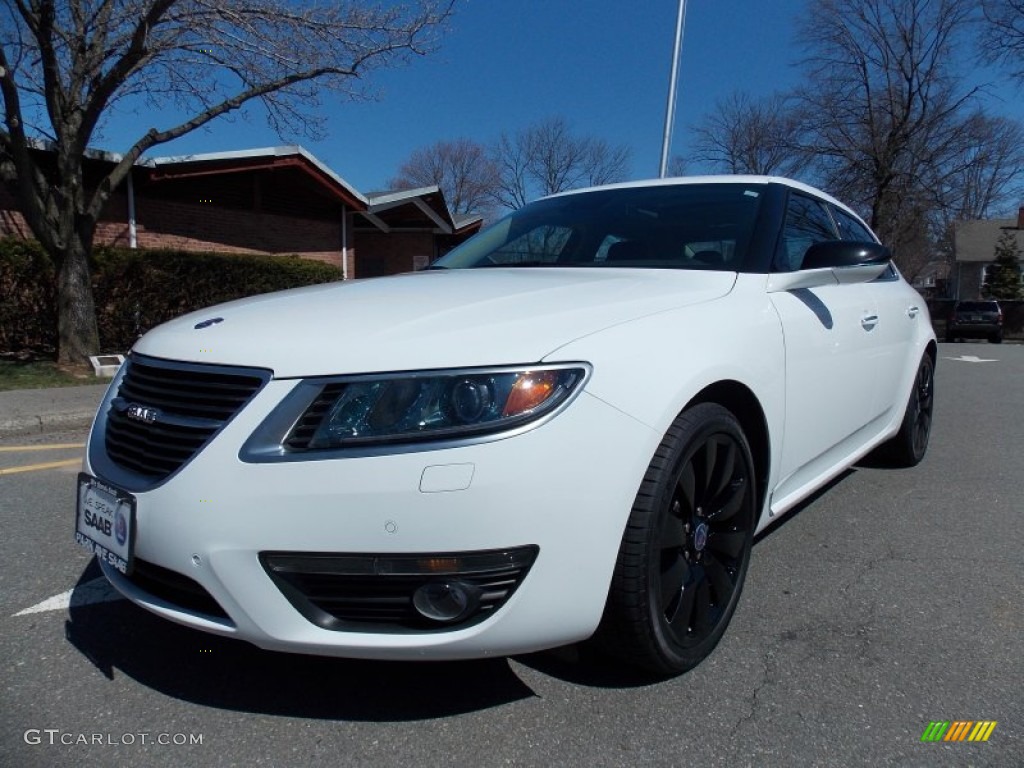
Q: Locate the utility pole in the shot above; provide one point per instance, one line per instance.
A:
(670, 108)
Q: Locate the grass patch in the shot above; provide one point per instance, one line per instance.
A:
(43, 374)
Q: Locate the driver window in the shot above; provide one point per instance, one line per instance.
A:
(807, 223)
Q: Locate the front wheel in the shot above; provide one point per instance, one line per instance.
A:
(686, 548)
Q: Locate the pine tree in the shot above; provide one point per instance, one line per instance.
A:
(1002, 278)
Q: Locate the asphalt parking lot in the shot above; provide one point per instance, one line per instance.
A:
(891, 600)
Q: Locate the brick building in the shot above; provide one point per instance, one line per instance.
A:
(276, 200)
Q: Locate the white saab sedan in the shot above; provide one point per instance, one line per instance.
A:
(571, 426)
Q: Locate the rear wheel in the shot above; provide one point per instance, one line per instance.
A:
(909, 445)
(686, 548)
(996, 338)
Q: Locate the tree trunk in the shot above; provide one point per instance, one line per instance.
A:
(77, 331)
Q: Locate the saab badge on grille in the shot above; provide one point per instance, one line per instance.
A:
(142, 413)
(208, 323)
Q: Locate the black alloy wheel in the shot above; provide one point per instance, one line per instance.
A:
(919, 409)
(687, 546)
(910, 444)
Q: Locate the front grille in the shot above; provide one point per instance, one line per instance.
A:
(174, 588)
(374, 593)
(177, 409)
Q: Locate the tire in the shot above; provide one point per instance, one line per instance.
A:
(686, 547)
(996, 338)
(910, 444)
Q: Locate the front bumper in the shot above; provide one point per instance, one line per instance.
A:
(565, 488)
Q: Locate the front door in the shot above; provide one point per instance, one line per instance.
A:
(830, 343)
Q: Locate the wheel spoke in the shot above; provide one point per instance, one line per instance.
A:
(925, 421)
(720, 578)
(709, 453)
(679, 620)
(701, 622)
(727, 543)
(673, 577)
(922, 410)
(688, 488)
(729, 501)
(924, 396)
(672, 535)
(725, 464)
(922, 428)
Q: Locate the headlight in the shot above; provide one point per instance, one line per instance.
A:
(383, 410)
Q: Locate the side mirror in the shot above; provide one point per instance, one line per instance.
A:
(845, 253)
(834, 262)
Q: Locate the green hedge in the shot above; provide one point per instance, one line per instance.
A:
(134, 290)
(28, 306)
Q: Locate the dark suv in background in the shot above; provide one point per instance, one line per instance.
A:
(975, 320)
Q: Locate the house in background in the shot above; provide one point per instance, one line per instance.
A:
(275, 200)
(932, 282)
(975, 245)
(408, 230)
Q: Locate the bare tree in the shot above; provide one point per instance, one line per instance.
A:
(1002, 38)
(762, 137)
(984, 171)
(548, 157)
(676, 166)
(885, 108)
(63, 65)
(511, 157)
(978, 180)
(463, 169)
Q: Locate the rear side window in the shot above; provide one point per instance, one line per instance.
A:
(850, 228)
(807, 223)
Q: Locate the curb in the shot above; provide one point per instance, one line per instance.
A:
(36, 411)
(38, 424)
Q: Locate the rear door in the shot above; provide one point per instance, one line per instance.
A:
(900, 309)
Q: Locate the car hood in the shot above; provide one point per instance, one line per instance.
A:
(434, 319)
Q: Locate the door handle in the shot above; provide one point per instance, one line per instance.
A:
(912, 312)
(868, 322)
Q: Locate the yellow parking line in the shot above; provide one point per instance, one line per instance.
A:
(50, 447)
(34, 467)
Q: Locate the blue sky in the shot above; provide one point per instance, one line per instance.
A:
(602, 64)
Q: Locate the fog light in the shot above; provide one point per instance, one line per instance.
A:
(446, 601)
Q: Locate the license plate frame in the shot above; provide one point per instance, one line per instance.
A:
(105, 522)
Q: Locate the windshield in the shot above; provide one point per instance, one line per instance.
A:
(686, 226)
